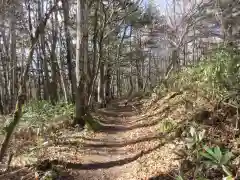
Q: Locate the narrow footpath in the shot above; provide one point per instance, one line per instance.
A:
(130, 147)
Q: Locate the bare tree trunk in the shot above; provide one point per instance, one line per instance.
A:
(185, 55)
(93, 73)
(194, 47)
(13, 60)
(101, 87)
(118, 73)
(139, 76)
(108, 79)
(5, 60)
(150, 69)
(81, 58)
(39, 73)
(1, 104)
(71, 73)
(54, 82)
(139, 64)
(53, 60)
(131, 84)
(44, 58)
(175, 61)
(62, 77)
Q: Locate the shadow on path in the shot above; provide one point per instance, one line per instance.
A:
(109, 147)
(111, 125)
(104, 165)
(111, 144)
(118, 111)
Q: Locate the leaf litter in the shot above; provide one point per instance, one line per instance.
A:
(121, 154)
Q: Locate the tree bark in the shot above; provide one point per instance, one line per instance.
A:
(13, 60)
(71, 74)
(118, 73)
(44, 58)
(101, 87)
(53, 60)
(81, 59)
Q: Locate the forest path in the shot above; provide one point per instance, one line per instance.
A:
(129, 141)
(130, 146)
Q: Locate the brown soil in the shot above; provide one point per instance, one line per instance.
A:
(131, 147)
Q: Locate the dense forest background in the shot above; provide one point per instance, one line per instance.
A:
(130, 46)
(73, 57)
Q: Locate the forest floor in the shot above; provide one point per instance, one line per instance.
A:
(136, 143)
(130, 147)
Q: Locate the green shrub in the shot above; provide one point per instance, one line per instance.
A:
(41, 111)
(218, 75)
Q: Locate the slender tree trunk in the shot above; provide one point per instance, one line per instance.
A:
(175, 59)
(71, 74)
(101, 87)
(1, 104)
(139, 77)
(44, 58)
(81, 59)
(150, 69)
(131, 84)
(54, 83)
(93, 73)
(40, 74)
(53, 60)
(185, 55)
(62, 76)
(139, 65)
(118, 73)
(108, 79)
(5, 61)
(13, 61)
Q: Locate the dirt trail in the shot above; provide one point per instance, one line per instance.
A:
(128, 144)
(131, 146)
